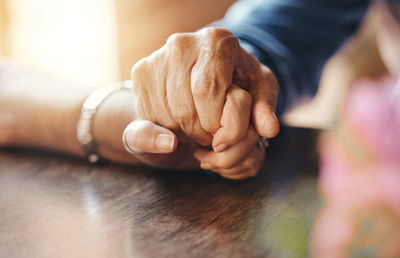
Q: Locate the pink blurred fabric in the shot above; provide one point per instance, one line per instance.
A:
(360, 175)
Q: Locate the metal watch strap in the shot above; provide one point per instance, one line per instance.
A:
(84, 130)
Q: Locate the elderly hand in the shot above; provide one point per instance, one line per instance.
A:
(158, 146)
(184, 86)
(204, 87)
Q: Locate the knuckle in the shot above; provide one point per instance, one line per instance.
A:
(178, 41)
(245, 97)
(217, 32)
(210, 126)
(203, 88)
(241, 96)
(181, 116)
(139, 69)
(221, 41)
(173, 38)
(186, 119)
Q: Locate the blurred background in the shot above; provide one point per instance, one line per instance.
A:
(98, 41)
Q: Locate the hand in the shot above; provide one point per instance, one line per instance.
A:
(156, 146)
(240, 161)
(152, 145)
(183, 87)
(54, 125)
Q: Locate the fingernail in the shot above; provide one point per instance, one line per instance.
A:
(220, 148)
(165, 142)
(206, 166)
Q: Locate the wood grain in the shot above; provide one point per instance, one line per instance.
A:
(52, 205)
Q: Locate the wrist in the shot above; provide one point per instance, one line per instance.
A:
(109, 123)
(50, 123)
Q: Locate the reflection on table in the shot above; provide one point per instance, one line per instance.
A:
(57, 206)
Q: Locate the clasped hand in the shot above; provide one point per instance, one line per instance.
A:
(202, 90)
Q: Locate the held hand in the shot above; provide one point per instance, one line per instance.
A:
(242, 160)
(155, 145)
(184, 85)
(150, 144)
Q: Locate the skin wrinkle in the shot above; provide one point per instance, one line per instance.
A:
(186, 123)
(212, 88)
(247, 168)
(164, 98)
(249, 141)
(239, 98)
(190, 79)
(225, 56)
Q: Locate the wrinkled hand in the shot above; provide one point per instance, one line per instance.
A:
(183, 87)
(150, 143)
(204, 87)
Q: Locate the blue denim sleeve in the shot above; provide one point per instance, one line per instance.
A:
(294, 38)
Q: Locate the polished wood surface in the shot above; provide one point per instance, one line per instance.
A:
(52, 205)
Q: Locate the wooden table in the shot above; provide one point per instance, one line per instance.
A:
(53, 205)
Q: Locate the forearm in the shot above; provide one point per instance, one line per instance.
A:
(42, 111)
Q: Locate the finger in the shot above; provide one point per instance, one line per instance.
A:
(264, 105)
(200, 153)
(232, 156)
(249, 167)
(181, 105)
(142, 136)
(212, 76)
(263, 87)
(235, 119)
(184, 112)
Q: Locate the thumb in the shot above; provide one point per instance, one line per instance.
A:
(264, 105)
(264, 88)
(143, 136)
